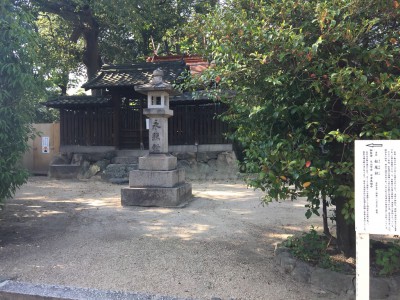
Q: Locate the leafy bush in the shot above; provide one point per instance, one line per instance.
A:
(388, 259)
(309, 78)
(17, 86)
(312, 248)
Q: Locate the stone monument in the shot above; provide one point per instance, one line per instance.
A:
(158, 181)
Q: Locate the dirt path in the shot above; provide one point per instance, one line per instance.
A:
(221, 245)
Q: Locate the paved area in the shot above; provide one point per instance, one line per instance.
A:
(221, 245)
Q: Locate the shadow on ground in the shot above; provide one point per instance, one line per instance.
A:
(221, 244)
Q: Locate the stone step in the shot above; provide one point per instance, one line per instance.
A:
(125, 160)
(129, 153)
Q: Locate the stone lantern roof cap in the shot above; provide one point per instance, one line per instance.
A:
(157, 83)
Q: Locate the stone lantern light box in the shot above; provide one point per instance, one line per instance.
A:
(158, 181)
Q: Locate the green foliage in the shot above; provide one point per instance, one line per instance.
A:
(388, 259)
(309, 78)
(17, 85)
(312, 248)
(78, 33)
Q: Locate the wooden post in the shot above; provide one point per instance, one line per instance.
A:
(116, 100)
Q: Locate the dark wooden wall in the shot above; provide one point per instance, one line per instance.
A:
(89, 127)
(197, 124)
(191, 124)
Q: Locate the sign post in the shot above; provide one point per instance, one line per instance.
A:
(377, 200)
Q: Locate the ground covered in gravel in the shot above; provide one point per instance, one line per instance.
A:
(76, 233)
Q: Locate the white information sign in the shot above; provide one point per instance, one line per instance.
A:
(377, 186)
(377, 200)
(45, 144)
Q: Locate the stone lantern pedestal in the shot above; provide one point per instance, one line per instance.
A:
(157, 182)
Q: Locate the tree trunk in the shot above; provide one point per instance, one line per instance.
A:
(84, 24)
(325, 216)
(345, 230)
(91, 56)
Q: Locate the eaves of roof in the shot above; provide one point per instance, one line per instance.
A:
(135, 74)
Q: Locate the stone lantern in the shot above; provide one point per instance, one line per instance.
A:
(158, 181)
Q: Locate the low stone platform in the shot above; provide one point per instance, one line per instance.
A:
(177, 196)
(343, 285)
(144, 178)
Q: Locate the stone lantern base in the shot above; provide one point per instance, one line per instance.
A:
(157, 183)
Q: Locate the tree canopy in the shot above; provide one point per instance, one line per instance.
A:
(93, 33)
(309, 78)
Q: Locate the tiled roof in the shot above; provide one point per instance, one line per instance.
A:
(134, 74)
(78, 101)
(196, 64)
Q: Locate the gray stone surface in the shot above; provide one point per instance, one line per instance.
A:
(158, 162)
(185, 155)
(99, 156)
(117, 171)
(158, 134)
(206, 156)
(337, 283)
(143, 178)
(157, 196)
(14, 290)
(59, 160)
(118, 180)
(201, 162)
(86, 149)
(332, 281)
(125, 160)
(302, 272)
(210, 166)
(64, 171)
(379, 288)
(85, 165)
(77, 159)
(214, 147)
(94, 169)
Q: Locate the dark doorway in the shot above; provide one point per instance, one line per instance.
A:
(132, 126)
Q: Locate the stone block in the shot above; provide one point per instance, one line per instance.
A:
(158, 162)
(157, 196)
(114, 171)
(59, 160)
(85, 165)
(96, 156)
(95, 168)
(332, 281)
(77, 159)
(125, 160)
(143, 178)
(206, 156)
(302, 272)
(379, 288)
(64, 171)
(214, 147)
(185, 155)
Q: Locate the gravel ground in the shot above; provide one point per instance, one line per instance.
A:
(221, 245)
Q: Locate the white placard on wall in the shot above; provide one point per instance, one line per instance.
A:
(45, 144)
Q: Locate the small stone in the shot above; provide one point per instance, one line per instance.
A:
(379, 288)
(288, 264)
